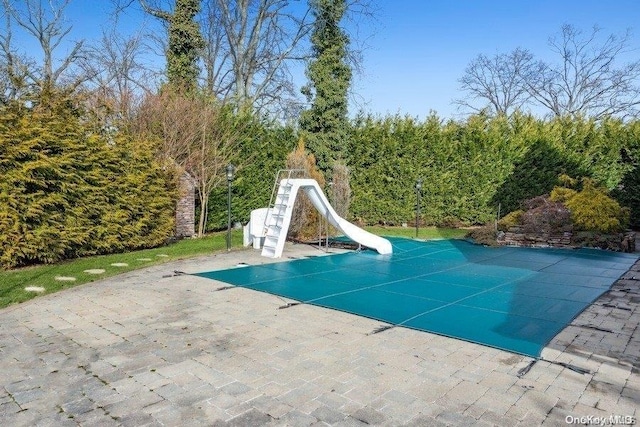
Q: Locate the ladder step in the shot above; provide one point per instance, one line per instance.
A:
(268, 252)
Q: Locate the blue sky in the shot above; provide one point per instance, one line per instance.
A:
(418, 49)
(422, 47)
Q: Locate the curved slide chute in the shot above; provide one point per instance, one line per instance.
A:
(279, 218)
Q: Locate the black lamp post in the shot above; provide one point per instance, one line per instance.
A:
(230, 170)
(418, 191)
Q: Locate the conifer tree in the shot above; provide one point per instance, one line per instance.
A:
(325, 123)
(68, 191)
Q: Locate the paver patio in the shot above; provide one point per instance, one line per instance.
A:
(155, 348)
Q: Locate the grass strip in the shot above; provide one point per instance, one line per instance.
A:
(59, 276)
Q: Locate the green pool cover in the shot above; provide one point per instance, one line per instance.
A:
(515, 299)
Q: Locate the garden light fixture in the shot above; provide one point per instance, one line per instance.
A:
(418, 191)
(230, 171)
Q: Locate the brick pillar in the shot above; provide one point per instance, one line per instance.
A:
(186, 207)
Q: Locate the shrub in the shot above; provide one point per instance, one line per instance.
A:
(593, 210)
(589, 210)
(510, 220)
(67, 191)
(546, 217)
(562, 194)
(484, 235)
(535, 202)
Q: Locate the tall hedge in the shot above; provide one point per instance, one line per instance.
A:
(470, 169)
(66, 190)
(627, 191)
(460, 165)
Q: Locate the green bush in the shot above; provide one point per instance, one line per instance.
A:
(68, 191)
(510, 220)
(262, 153)
(566, 209)
(593, 210)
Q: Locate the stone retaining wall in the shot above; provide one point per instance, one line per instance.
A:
(620, 242)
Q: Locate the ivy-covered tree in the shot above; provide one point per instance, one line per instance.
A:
(185, 42)
(325, 123)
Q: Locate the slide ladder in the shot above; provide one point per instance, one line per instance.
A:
(277, 222)
(279, 218)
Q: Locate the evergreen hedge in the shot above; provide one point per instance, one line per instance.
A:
(263, 151)
(470, 169)
(68, 191)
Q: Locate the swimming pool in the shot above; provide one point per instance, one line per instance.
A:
(515, 299)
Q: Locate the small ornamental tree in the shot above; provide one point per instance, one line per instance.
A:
(197, 135)
(340, 189)
(593, 210)
(304, 219)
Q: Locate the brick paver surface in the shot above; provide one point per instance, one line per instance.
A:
(154, 348)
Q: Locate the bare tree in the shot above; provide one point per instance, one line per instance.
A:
(120, 76)
(44, 21)
(250, 44)
(13, 66)
(196, 135)
(587, 80)
(498, 82)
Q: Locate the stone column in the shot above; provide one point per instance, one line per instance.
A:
(186, 207)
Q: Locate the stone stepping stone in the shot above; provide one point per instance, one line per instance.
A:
(119, 264)
(34, 289)
(144, 259)
(162, 256)
(95, 271)
(65, 279)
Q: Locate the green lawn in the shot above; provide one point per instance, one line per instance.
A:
(423, 232)
(14, 282)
